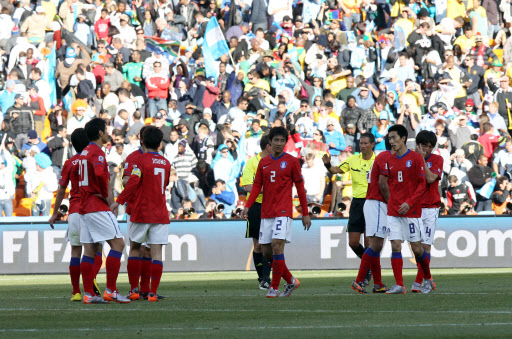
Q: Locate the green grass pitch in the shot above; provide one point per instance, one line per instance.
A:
(476, 302)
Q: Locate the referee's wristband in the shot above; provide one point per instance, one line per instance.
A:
(328, 165)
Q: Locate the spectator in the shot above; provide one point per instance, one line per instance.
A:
(334, 139)
(184, 161)
(113, 76)
(314, 179)
(223, 196)
(59, 147)
(41, 184)
(7, 182)
(79, 119)
(459, 165)
(157, 85)
(488, 140)
(7, 96)
(460, 132)
(501, 195)
(21, 120)
(473, 149)
(478, 176)
(37, 105)
(204, 173)
(502, 164)
(458, 196)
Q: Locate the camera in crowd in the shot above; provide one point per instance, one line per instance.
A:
(188, 212)
(219, 208)
(237, 213)
(342, 207)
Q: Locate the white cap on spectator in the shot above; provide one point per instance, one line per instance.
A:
(39, 9)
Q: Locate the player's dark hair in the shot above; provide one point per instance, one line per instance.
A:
(61, 128)
(400, 130)
(368, 135)
(79, 140)
(264, 141)
(425, 137)
(386, 143)
(152, 137)
(278, 131)
(93, 128)
(141, 133)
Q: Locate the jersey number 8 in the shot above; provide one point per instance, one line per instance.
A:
(400, 176)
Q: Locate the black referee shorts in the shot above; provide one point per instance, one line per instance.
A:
(356, 221)
(253, 221)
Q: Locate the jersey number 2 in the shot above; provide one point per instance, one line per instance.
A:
(272, 176)
(161, 172)
(82, 172)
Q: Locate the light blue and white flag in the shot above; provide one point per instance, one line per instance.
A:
(487, 189)
(49, 76)
(214, 46)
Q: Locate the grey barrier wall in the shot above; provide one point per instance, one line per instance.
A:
(32, 247)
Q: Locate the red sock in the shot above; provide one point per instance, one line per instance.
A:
(98, 261)
(397, 263)
(425, 265)
(287, 276)
(86, 267)
(74, 273)
(134, 267)
(419, 275)
(277, 270)
(365, 265)
(113, 266)
(376, 271)
(145, 275)
(156, 275)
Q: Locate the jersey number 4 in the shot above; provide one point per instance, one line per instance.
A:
(82, 172)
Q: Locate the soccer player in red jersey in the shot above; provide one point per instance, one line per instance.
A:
(375, 214)
(70, 174)
(276, 174)
(425, 142)
(145, 191)
(98, 222)
(403, 186)
(139, 258)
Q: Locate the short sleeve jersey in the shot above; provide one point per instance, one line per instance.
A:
(93, 189)
(378, 168)
(359, 169)
(277, 176)
(128, 168)
(145, 190)
(406, 181)
(70, 174)
(250, 173)
(432, 198)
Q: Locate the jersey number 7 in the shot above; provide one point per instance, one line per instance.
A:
(83, 174)
(161, 172)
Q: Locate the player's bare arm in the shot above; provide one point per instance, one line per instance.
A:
(384, 188)
(306, 222)
(327, 163)
(58, 201)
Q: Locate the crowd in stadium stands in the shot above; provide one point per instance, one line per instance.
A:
(326, 70)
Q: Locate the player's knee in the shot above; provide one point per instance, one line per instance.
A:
(277, 247)
(417, 249)
(396, 246)
(353, 243)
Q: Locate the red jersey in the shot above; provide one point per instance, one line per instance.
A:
(378, 168)
(70, 173)
(93, 180)
(145, 190)
(406, 180)
(128, 168)
(490, 143)
(432, 198)
(277, 176)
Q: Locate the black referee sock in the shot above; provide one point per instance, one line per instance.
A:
(266, 269)
(257, 258)
(359, 250)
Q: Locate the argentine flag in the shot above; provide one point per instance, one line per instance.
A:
(214, 46)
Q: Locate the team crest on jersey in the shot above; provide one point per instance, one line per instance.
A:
(283, 164)
(125, 165)
(100, 158)
(429, 164)
(408, 163)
